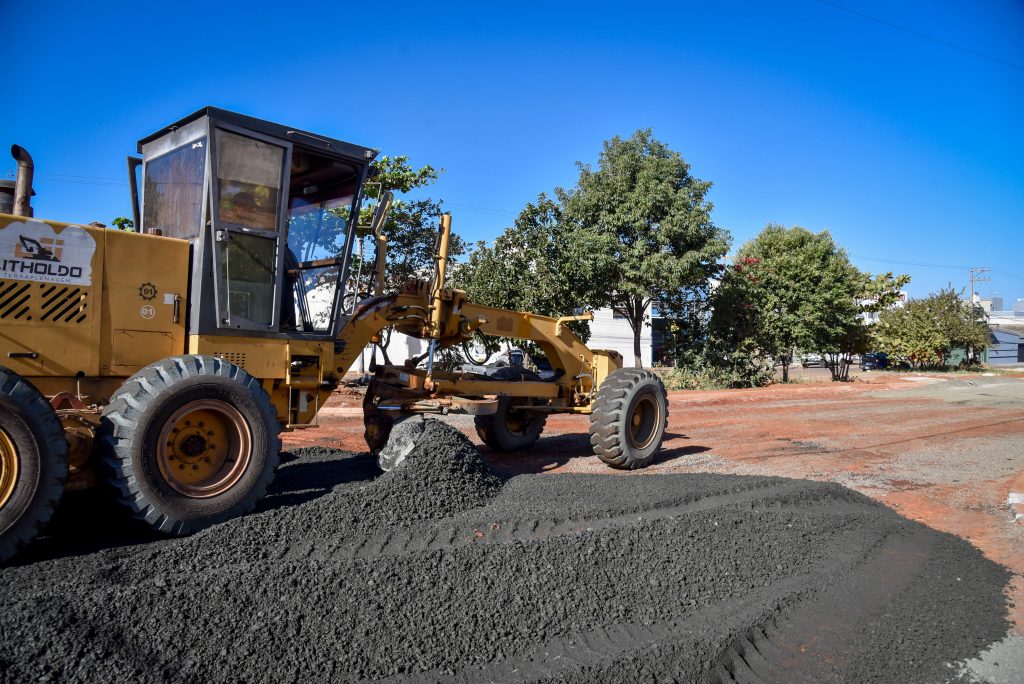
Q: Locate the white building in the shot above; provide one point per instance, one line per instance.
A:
(609, 330)
(871, 317)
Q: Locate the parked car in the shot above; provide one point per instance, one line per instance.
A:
(812, 360)
(874, 361)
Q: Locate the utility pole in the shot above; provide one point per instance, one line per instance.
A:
(977, 278)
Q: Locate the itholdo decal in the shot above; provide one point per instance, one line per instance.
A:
(32, 250)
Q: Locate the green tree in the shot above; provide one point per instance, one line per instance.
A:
(925, 331)
(732, 341)
(124, 223)
(412, 225)
(646, 225)
(539, 264)
(798, 290)
(797, 286)
(849, 334)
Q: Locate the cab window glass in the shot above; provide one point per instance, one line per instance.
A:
(249, 181)
(172, 191)
(248, 270)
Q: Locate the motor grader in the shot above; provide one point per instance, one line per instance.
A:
(164, 364)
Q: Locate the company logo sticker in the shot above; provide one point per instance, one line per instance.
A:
(32, 250)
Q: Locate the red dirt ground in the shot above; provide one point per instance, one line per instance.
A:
(945, 463)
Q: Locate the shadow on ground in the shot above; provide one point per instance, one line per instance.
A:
(553, 451)
(88, 522)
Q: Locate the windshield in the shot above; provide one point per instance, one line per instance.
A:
(320, 207)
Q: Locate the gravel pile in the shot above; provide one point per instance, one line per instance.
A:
(443, 475)
(437, 572)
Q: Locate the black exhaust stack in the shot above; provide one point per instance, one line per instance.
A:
(23, 185)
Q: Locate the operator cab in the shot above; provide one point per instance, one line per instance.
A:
(271, 213)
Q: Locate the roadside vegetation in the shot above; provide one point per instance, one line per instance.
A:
(925, 333)
(636, 230)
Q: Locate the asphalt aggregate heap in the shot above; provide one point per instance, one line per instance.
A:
(443, 571)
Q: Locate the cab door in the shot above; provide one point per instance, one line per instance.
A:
(248, 196)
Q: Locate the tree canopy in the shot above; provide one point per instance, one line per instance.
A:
(648, 227)
(632, 231)
(539, 264)
(792, 289)
(412, 225)
(925, 331)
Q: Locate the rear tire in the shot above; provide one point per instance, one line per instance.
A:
(33, 462)
(629, 418)
(188, 442)
(512, 427)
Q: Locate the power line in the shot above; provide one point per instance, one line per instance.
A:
(976, 277)
(910, 263)
(922, 35)
(1009, 275)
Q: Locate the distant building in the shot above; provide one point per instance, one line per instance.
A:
(871, 317)
(1005, 347)
(610, 330)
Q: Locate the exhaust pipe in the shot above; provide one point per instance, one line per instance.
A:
(23, 185)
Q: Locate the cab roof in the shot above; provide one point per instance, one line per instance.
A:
(295, 135)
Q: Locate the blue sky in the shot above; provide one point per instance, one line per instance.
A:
(801, 112)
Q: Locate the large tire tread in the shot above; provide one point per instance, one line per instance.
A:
(120, 430)
(609, 422)
(31, 409)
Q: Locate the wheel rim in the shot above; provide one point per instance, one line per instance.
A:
(644, 421)
(204, 448)
(518, 421)
(8, 467)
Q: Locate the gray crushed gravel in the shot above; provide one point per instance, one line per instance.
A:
(442, 571)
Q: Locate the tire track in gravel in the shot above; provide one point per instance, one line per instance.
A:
(448, 536)
(421, 539)
(818, 637)
(594, 648)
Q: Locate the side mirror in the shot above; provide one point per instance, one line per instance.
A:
(133, 182)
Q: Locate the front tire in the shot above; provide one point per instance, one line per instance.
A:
(629, 418)
(33, 462)
(188, 442)
(513, 426)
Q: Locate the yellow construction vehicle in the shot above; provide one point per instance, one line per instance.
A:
(165, 363)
